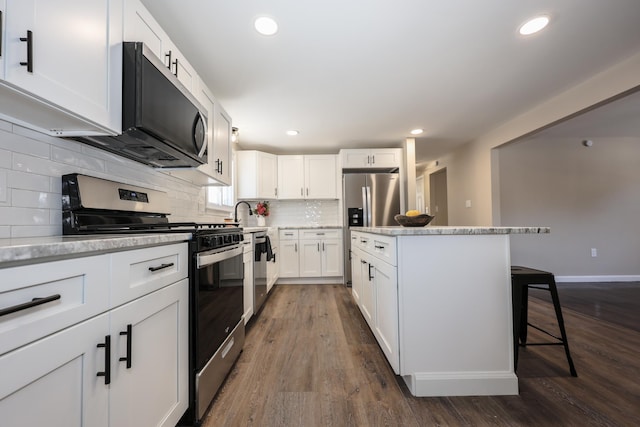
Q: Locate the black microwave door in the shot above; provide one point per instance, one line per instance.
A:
(165, 112)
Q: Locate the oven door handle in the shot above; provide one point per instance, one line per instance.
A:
(207, 258)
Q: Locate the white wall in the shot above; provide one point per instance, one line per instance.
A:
(470, 173)
(31, 166)
(588, 196)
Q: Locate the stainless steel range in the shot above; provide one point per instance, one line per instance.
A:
(216, 274)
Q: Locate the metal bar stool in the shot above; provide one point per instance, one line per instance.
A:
(523, 278)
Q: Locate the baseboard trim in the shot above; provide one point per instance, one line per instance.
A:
(589, 279)
(432, 384)
(310, 281)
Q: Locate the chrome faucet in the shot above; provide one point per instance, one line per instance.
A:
(235, 210)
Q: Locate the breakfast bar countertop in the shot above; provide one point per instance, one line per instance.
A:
(451, 230)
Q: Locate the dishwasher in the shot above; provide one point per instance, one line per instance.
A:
(260, 253)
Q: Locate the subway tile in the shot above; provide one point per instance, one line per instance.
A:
(4, 191)
(55, 216)
(5, 232)
(28, 181)
(20, 144)
(36, 231)
(76, 158)
(6, 126)
(5, 159)
(39, 166)
(35, 199)
(24, 216)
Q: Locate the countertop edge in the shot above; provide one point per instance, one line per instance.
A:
(37, 249)
(451, 230)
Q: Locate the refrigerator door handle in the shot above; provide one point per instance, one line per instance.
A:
(369, 207)
(365, 210)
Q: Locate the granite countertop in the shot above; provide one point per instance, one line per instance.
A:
(35, 249)
(304, 227)
(451, 230)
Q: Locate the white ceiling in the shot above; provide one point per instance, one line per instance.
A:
(363, 73)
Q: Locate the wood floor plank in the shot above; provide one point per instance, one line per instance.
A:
(310, 360)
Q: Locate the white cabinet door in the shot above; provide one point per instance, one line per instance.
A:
(386, 311)
(356, 275)
(332, 256)
(291, 182)
(247, 285)
(354, 158)
(220, 157)
(257, 175)
(366, 292)
(311, 258)
(140, 26)
(371, 158)
(53, 382)
(320, 177)
(149, 384)
(386, 157)
(69, 54)
(289, 266)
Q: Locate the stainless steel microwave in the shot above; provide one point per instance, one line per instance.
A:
(163, 125)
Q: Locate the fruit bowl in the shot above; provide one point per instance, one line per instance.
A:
(413, 221)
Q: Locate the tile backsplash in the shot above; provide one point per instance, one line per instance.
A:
(287, 213)
(32, 163)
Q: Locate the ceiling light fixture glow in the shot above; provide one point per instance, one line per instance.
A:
(292, 132)
(417, 131)
(534, 25)
(266, 26)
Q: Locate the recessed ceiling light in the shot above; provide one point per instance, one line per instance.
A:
(292, 132)
(417, 131)
(534, 25)
(266, 26)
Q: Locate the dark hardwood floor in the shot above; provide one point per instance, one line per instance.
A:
(310, 360)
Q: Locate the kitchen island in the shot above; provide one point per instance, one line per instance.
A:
(438, 300)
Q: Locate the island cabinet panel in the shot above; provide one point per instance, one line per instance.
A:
(442, 316)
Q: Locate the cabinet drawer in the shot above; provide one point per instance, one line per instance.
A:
(321, 233)
(82, 285)
(383, 247)
(139, 272)
(288, 234)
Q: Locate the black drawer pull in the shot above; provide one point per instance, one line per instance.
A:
(107, 360)
(129, 334)
(168, 56)
(29, 40)
(161, 267)
(379, 247)
(176, 64)
(25, 305)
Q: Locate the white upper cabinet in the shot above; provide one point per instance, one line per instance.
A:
(257, 175)
(62, 65)
(220, 156)
(140, 26)
(371, 158)
(307, 177)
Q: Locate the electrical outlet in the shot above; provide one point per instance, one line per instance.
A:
(594, 252)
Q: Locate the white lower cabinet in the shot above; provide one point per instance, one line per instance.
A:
(52, 382)
(375, 290)
(311, 253)
(123, 365)
(149, 354)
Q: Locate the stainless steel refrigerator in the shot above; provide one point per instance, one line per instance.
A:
(370, 200)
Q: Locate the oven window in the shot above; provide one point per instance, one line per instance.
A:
(219, 301)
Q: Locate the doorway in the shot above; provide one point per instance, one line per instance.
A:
(420, 194)
(438, 197)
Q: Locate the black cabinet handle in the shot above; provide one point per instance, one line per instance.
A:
(107, 360)
(363, 261)
(25, 305)
(176, 64)
(379, 247)
(161, 267)
(370, 276)
(129, 335)
(29, 40)
(168, 57)
(220, 171)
